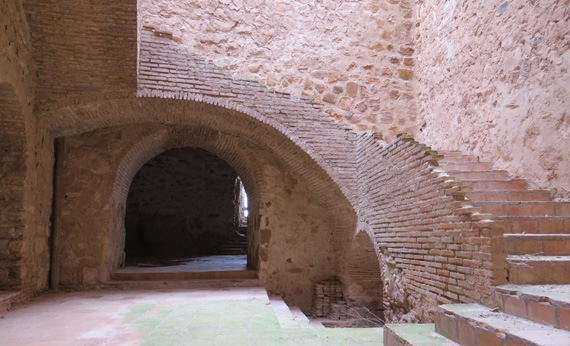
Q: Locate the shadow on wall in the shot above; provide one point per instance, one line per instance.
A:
(180, 204)
(13, 173)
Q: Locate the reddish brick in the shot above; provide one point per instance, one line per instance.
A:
(487, 338)
(542, 312)
(466, 334)
(551, 226)
(514, 306)
(556, 248)
(520, 210)
(446, 325)
(524, 227)
(564, 318)
(542, 210)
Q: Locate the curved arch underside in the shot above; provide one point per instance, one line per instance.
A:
(296, 203)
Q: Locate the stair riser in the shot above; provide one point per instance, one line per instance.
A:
(470, 333)
(508, 196)
(495, 185)
(537, 227)
(541, 312)
(465, 166)
(546, 247)
(539, 275)
(465, 333)
(550, 209)
(479, 175)
(393, 340)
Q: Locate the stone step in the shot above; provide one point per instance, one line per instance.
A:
(538, 270)
(456, 156)
(508, 195)
(535, 224)
(289, 316)
(465, 166)
(478, 175)
(496, 184)
(232, 252)
(473, 324)
(537, 244)
(282, 312)
(181, 284)
(125, 275)
(7, 298)
(546, 304)
(526, 208)
(300, 317)
(414, 335)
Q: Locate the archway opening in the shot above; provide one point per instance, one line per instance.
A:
(186, 207)
(364, 289)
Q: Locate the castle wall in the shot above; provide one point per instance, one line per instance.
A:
(26, 162)
(494, 80)
(356, 57)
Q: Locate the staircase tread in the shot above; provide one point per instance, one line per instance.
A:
(520, 202)
(538, 259)
(419, 334)
(513, 191)
(540, 236)
(7, 295)
(531, 217)
(471, 171)
(502, 322)
(558, 295)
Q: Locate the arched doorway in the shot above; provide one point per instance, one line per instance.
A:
(185, 203)
(364, 289)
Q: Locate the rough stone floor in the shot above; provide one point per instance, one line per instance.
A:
(228, 316)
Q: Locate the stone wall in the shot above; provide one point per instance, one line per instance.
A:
(181, 203)
(16, 66)
(38, 198)
(357, 57)
(495, 82)
(432, 249)
(26, 161)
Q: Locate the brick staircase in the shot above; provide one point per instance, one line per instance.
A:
(534, 308)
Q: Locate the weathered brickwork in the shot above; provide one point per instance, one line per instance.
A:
(433, 249)
(168, 71)
(85, 49)
(325, 200)
(16, 66)
(355, 57)
(494, 80)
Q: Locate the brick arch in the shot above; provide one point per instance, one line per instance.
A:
(363, 287)
(223, 115)
(13, 176)
(325, 160)
(241, 158)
